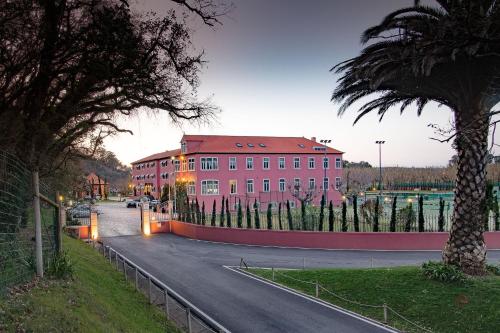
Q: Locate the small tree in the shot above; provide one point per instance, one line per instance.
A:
(212, 220)
(249, 217)
(203, 215)
(392, 223)
(355, 210)
(228, 214)
(240, 215)
(198, 213)
(303, 215)
(421, 221)
(409, 216)
(344, 216)
(321, 213)
(279, 217)
(376, 215)
(194, 212)
(269, 216)
(441, 215)
(257, 216)
(221, 217)
(289, 215)
(331, 216)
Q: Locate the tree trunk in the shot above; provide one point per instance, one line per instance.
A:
(465, 247)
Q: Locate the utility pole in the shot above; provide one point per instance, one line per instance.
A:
(38, 225)
(325, 189)
(380, 143)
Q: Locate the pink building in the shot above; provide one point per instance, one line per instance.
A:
(246, 168)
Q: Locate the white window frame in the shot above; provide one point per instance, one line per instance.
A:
(292, 204)
(184, 165)
(183, 147)
(338, 182)
(264, 182)
(233, 159)
(191, 164)
(191, 188)
(177, 165)
(248, 182)
(338, 163)
(208, 163)
(264, 160)
(249, 159)
(282, 185)
(326, 181)
(313, 182)
(296, 165)
(327, 164)
(309, 160)
(235, 186)
(215, 186)
(281, 159)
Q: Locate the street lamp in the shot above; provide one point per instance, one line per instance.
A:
(380, 143)
(325, 189)
(175, 192)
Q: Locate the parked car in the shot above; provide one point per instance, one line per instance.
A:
(131, 204)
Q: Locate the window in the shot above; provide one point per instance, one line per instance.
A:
(311, 163)
(265, 163)
(184, 165)
(319, 148)
(338, 163)
(312, 183)
(191, 164)
(232, 163)
(282, 185)
(326, 163)
(262, 145)
(338, 183)
(281, 164)
(326, 183)
(209, 163)
(233, 187)
(209, 187)
(265, 185)
(250, 145)
(191, 188)
(177, 165)
(296, 162)
(292, 204)
(301, 145)
(249, 185)
(153, 164)
(296, 184)
(249, 163)
(239, 145)
(183, 147)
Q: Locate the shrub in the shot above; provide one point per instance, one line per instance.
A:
(421, 222)
(493, 269)
(221, 222)
(289, 215)
(257, 216)
(376, 213)
(212, 220)
(240, 215)
(441, 215)
(331, 217)
(60, 266)
(344, 216)
(392, 223)
(279, 216)
(269, 216)
(228, 214)
(249, 217)
(441, 272)
(355, 209)
(203, 216)
(321, 213)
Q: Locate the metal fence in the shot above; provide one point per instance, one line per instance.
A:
(177, 309)
(17, 226)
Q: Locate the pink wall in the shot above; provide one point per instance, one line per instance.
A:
(323, 240)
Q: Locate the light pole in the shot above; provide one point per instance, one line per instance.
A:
(380, 143)
(175, 193)
(325, 188)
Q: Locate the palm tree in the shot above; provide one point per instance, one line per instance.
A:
(450, 54)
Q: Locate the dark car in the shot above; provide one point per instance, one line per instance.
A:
(131, 204)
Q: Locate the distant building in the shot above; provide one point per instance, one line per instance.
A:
(246, 168)
(95, 187)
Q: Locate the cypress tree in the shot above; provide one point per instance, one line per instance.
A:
(257, 216)
(228, 214)
(188, 211)
(344, 216)
(249, 217)
(392, 223)
(321, 213)
(198, 213)
(355, 209)
(289, 215)
(421, 221)
(410, 215)
(221, 217)
(203, 216)
(303, 214)
(279, 216)
(212, 220)
(496, 212)
(269, 216)
(240, 215)
(194, 212)
(376, 215)
(441, 215)
(331, 217)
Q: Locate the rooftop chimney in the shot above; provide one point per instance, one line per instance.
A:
(313, 139)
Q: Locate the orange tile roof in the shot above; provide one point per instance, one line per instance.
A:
(158, 156)
(261, 144)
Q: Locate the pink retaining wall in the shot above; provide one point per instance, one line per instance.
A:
(323, 240)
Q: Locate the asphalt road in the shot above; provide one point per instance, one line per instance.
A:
(195, 269)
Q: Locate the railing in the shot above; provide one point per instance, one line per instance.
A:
(177, 308)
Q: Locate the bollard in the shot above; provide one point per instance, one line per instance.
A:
(188, 319)
(136, 280)
(149, 290)
(317, 289)
(385, 313)
(167, 312)
(272, 269)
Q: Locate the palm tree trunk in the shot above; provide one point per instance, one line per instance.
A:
(465, 247)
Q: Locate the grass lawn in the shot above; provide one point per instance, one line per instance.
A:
(473, 306)
(97, 299)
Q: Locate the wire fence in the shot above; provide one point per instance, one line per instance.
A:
(17, 226)
(316, 289)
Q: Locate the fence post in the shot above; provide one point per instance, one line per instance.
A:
(385, 313)
(167, 312)
(38, 224)
(317, 289)
(188, 318)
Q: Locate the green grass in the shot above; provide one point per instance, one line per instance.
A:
(97, 299)
(473, 306)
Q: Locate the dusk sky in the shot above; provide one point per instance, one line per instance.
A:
(268, 71)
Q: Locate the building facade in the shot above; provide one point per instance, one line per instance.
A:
(244, 168)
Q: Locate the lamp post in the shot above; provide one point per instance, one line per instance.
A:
(380, 143)
(325, 188)
(175, 192)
